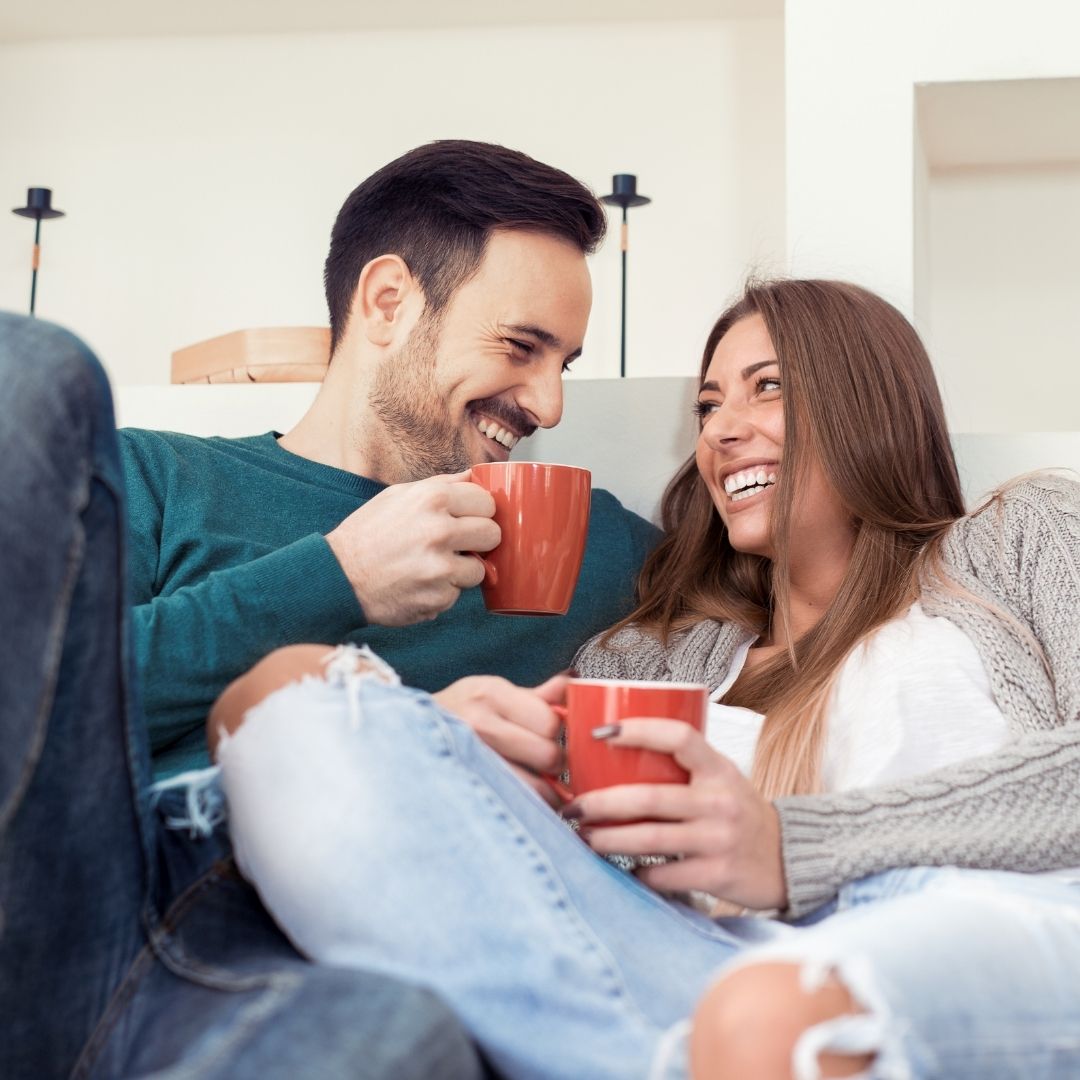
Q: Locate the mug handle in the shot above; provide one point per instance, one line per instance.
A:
(550, 779)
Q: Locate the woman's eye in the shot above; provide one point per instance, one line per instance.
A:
(522, 346)
(767, 384)
(704, 409)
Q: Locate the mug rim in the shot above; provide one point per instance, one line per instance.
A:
(539, 464)
(635, 684)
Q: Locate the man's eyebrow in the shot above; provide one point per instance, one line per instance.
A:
(545, 337)
(745, 373)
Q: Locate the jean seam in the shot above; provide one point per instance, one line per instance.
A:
(555, 888)
(175, 959)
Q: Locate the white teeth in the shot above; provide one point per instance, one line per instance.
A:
(497, 434)
(742, 485)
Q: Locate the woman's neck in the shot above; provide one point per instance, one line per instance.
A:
(812, 588)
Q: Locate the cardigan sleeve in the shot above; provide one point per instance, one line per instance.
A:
(1017, 809)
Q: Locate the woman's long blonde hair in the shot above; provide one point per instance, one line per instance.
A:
(860, 398)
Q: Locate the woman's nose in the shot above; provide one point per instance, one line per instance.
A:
(725, 424)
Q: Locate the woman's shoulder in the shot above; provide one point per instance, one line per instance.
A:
(1048, 498)
(634, 652)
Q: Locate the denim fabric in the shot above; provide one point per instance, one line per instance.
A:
(964, 973)
(395, 841)
(391, 839)
(126, 949)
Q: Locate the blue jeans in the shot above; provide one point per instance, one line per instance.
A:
(383, 834)
(127, 949)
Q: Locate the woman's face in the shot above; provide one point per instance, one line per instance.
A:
(741, 446)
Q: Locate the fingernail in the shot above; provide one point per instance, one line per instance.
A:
(606, 731)
(572, 811)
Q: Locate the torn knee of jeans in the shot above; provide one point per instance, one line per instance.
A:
(346, 663)
(873, 1031)
(349, 665)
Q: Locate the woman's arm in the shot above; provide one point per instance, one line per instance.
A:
(1017, 809)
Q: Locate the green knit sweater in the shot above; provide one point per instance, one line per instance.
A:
(228, 560)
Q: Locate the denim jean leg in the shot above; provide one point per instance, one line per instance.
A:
(74, 865)
(383, 835)
(209, 987)
(967, 974)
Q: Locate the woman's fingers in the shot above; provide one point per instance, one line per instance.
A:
(680, 875)
(634, 802)
(683, 742)
(643, 838)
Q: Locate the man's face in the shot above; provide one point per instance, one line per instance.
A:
(467, 385)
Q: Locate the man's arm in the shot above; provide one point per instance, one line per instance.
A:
(394, 561)
(191, 643)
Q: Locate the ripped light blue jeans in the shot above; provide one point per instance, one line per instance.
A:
(381, 833)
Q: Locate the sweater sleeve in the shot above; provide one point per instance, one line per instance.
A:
(190, 643)
(1017, 809)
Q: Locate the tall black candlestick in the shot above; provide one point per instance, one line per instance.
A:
(38, 206)
(624, 194)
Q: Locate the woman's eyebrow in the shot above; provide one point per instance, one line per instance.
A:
(745, 374)
(748, 371)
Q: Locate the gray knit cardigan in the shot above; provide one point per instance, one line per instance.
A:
(1016, 809)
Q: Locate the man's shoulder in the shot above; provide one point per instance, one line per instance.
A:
(145, 449)
(608, 512)
(147, 440)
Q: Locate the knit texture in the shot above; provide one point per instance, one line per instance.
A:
(1017, 809)
(228, 559)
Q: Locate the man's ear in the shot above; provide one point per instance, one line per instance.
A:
(387, 300)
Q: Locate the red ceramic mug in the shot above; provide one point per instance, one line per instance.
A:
(543, 512)
(592, 703)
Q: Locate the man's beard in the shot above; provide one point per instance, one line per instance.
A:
(406, 399)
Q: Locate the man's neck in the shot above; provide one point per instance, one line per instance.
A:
(326, 432)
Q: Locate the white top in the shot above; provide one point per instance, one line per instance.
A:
(911, 698)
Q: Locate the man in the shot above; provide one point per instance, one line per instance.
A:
(458, 296)
(126, 947)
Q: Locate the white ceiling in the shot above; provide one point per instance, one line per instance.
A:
(37, 20)
(1000, 123)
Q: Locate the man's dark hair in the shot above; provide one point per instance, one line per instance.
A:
(435, 208)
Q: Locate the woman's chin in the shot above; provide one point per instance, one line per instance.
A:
(750, 541)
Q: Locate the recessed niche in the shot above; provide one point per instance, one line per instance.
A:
(997, 250)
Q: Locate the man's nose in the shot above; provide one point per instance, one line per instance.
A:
(542, 396)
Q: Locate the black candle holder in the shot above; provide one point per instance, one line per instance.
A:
(624, 193)
(39, 207)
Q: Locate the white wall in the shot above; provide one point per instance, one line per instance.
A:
(1002, 308)
(201, 175)
(850, 77)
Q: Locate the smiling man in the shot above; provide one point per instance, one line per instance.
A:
(458, 294)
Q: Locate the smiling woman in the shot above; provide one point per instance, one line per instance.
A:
(895, 689)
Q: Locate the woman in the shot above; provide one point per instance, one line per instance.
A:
(901, 683)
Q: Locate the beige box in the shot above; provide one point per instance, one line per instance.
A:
(266, 354)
